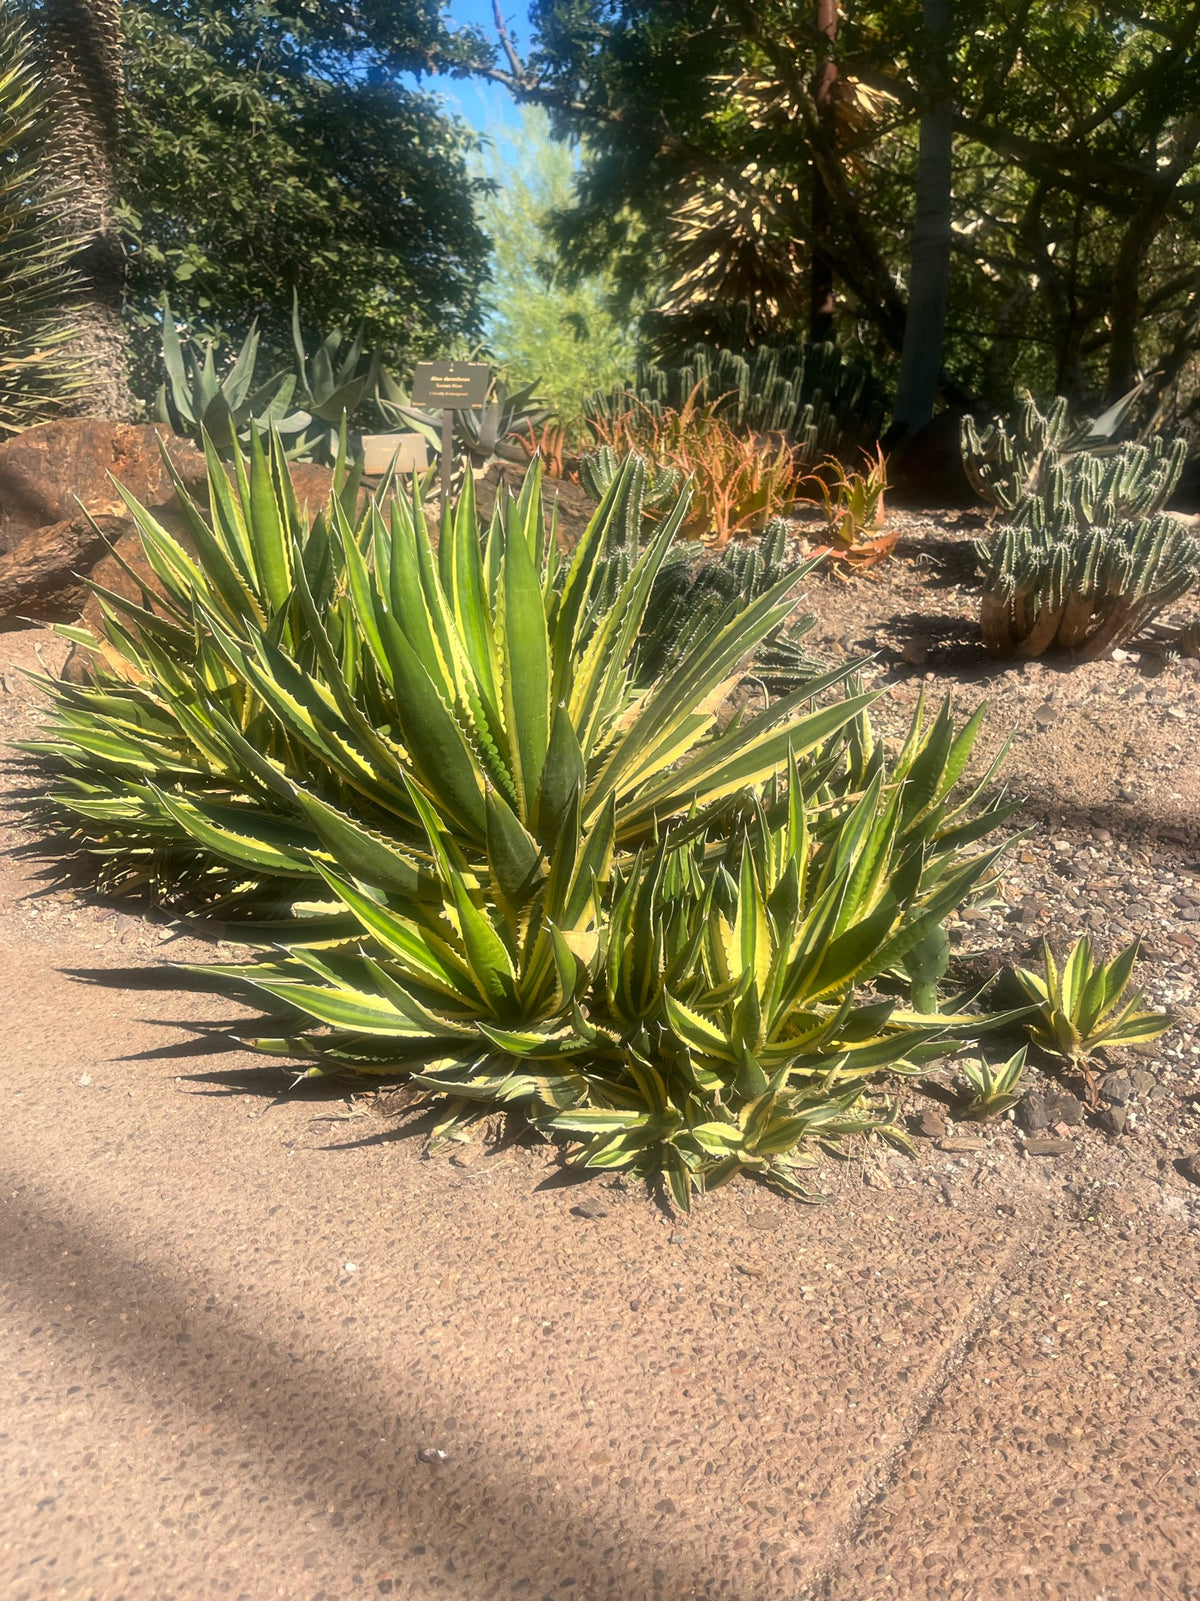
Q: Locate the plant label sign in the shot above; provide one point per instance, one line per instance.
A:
(450, 384)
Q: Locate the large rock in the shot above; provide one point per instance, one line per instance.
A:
(48, 473)
(55, 477)
(39, 575)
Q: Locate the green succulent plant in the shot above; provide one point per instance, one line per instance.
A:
(308, 407)
(688, 1009)
(1009, 460)
(657, 487)
(289, 665)
(1085, 590)
(989, 1090)
(331, 386)
(198, 400)
(480, 849)
(1083, 1005)
(693, 590)
(482, 434)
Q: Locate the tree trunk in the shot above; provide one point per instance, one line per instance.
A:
(84, 60)
(1125, 302)
(929, 277)
(820, 322)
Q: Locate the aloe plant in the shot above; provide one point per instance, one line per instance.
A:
(823, 402)
(308, 407)
(197, 400)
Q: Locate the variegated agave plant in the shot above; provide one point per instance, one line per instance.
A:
(510, 866)
(690, 1007)
(290, 679)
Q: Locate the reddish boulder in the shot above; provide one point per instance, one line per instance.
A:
(47, 544)
(48, 473)
(39, 575)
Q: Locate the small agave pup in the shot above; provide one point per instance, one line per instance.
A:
(991, 1090)
(1082, 1006)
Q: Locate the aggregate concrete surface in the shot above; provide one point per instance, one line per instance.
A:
(254, 1345)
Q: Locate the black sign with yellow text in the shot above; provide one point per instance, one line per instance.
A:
(450, 384)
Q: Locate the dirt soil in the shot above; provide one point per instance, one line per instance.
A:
(256, 1345)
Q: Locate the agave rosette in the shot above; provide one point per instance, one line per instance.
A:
(545, 878)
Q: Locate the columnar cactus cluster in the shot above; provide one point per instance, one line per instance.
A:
(1084, 558)
(1081, 589)
(822, 402)
(1003, 460)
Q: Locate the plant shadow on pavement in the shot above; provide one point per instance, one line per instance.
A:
(293, 1410)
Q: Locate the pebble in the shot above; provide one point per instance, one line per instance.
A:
(1048, 1147)
(1116, 1087)
(1189, 1166)
(1031, 1112)
(930, 1125)
(963, 1142)
(590, 1208)
(1111, 1121)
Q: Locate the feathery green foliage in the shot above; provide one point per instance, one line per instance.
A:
(564, 338)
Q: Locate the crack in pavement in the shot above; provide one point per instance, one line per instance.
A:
(951, 1363)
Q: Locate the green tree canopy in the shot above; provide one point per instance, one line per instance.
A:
(269, 147)
(1075, 172)
(568, 336)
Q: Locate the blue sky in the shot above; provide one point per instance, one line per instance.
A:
(486, 106)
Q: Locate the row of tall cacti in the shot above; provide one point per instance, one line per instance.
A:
(1085, 556)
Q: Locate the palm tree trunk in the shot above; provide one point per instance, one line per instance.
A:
(929, 278)
(84, 67)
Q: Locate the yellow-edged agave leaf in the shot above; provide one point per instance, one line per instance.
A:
(238, 835)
